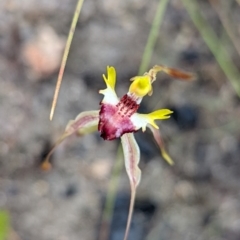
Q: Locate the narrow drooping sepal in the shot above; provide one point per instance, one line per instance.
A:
(84, 123)
(131, 157)
(158, 139)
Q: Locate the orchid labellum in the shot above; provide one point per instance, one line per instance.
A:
(118, 118)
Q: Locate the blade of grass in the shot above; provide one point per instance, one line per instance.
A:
(152, 37)
(65, 55)
(213, 44)
(4, 224)
(222, 14)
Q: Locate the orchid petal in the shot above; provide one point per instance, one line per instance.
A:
(173, 72)
(159, 114)
(140, 86)
(109, 93)
(85, 122)
(111, 77)
(132, 156)
(142, 120)
(158, 139)
(139, 121)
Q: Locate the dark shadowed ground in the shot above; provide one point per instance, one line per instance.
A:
(196, 199)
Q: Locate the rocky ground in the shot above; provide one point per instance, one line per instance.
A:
(197, 198)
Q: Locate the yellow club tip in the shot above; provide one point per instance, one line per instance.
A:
(140, 86)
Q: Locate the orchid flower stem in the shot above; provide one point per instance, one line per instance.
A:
(130, 213)
(152, 37)
(213, 44)
(111, 195)
(65, 55)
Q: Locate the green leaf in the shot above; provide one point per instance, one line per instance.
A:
(4, 224)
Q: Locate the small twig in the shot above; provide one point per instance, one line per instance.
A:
(65, 55)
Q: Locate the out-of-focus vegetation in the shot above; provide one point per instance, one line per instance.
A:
(215, 44)
(4, 224)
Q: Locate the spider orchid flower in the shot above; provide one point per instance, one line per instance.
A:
(118, 118)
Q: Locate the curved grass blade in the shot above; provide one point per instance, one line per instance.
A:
(152, 37)
(223, 11)
(213, 44)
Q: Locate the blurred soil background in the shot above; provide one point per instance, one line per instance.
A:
(197, 198)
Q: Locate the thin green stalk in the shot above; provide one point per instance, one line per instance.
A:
(213, 44)
(152, 37)
(111, 195)
(223, 14)
(5, 224)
